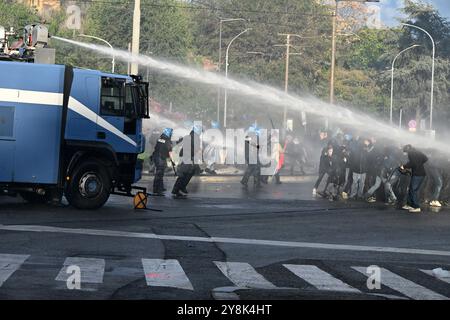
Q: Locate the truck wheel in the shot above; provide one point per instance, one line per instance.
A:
(89, 186)
(33, 197)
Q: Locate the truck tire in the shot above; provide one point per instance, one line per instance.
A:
(33, 197)
(89, 186)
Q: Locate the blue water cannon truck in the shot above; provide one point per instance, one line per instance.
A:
(68, 132)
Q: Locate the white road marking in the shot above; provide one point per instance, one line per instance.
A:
(404, 286)
(9, 263)
(430, 273)
(165, 273)
(288, 244)
(244, 275)
(319, 278)
(92, 270)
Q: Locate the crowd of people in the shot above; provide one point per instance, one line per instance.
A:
(351, 167)
(362, 168)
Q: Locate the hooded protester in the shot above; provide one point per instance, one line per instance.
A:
(161, 153)
(322, 166)
(358, 167)
(390, 174)
(416, 162)
(375, 162)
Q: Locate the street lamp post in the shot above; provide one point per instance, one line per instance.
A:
(392, 79)
(220, 58)
(226, 76)
(103, 40)
(432, 69)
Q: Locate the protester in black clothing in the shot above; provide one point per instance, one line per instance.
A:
(373, 179)
(323, 139)
(358, 166)
(416, 161)
(161, 153)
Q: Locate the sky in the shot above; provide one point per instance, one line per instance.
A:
(389, 9)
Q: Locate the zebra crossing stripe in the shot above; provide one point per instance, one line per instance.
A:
(319, 278)
(165, 273)
(408, 288)
(9, 263)
(431, 273)
(92, 270)
(244, 275)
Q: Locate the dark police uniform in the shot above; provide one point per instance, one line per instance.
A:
(253, 169)
(160, 154)
(187, 168)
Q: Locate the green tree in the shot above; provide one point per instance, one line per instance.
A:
(16, 15)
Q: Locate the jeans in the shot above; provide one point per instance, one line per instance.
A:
(413, 194)
(437, 183)
(319, 179)
(392, 180)
(358, 185)
(374, 188)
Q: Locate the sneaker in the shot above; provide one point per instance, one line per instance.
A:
(415, 210)
(344, 195)
(436, 204)
(184, 190)
(314, 192)
(371, 200)
(406, 207)
(178, 195)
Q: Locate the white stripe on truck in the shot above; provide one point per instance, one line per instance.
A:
(56, 99)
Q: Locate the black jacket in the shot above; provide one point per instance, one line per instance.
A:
(163, 148)
(416, 161)
(358, 160)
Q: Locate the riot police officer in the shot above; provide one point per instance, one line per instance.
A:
(253, 165)
(162, 152)
(190, 153)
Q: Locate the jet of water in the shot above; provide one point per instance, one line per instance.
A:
(272, 96)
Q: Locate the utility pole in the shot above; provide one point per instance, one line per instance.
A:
(333, 53)
(286, 76)
(136, 34)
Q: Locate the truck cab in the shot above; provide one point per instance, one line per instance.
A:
(72, 132)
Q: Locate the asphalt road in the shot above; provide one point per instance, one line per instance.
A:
(223, 242)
